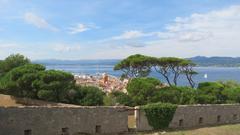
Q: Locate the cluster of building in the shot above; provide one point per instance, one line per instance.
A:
(107, 83)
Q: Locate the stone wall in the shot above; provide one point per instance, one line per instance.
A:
(191, 116)
(62, 120)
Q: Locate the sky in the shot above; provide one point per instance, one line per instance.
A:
(115, 29)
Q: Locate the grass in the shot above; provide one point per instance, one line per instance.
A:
(220, 130)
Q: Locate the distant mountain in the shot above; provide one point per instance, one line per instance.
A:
(216, 61)
(201, 61)
(77, 62)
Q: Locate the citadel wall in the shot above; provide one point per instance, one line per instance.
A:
(62, 120)
(191, 116)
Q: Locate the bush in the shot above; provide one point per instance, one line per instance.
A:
(232, 95)
(58, 83)
(121, 98)
(11, 62)
(86, 96)
(142, 90)
(167, 95)
(159, 115)
(206, 99)
(212, 92)
(92, 96)
(175, 95)
(19, 81)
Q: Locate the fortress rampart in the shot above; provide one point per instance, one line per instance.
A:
(192, 116)
(34, 117)
(62, 120)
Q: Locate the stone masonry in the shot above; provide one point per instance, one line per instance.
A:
(191, 116)
(62, 120)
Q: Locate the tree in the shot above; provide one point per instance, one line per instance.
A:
(187, 69)
(93, 96)
(231, 91)
(23, 79)
(175, 67)
(121, 98)
(171, 68)
(87, 95)
(20, 81)
(230, 84)
(54, 85)
(211, 91)
(161, 66)
(168, 67)
(134, 66)
(13, 61)
(175, 95)
(232, 95)
(141, 90)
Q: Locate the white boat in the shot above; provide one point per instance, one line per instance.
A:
(205, 76)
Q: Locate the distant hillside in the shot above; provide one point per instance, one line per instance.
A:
(216, 61)
(199, 60)
(76, 62)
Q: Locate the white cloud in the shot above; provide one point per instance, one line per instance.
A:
(131, 35)
(215, 33)
(194, 36)
(66, 48)
(38, 21)
(199, 27)
(78, 28)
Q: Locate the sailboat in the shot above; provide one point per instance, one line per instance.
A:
(205, 76)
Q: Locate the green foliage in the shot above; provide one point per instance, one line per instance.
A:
(159, 115)
(20, 78)
(12, 61)
(108, 100)
(210, 92)
(232, 95)
(56, 83)
(175, 95)
(92, 96)
(206, 99)
(20, 81)
(230, 84)
(87, 96)
(134, 66)
(171, 68)
(121, 98)
(141, 90)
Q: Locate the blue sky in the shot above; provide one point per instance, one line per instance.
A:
(112, 29)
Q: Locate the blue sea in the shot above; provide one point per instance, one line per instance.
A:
(100, 66)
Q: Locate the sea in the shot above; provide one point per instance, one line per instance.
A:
(92, 67)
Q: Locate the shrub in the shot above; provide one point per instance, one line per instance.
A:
(121, 98)
(175, 95)
(13, 61)
(211, 90)
(159, 115)
(232, 95)
(142, 90)
(87, 96)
